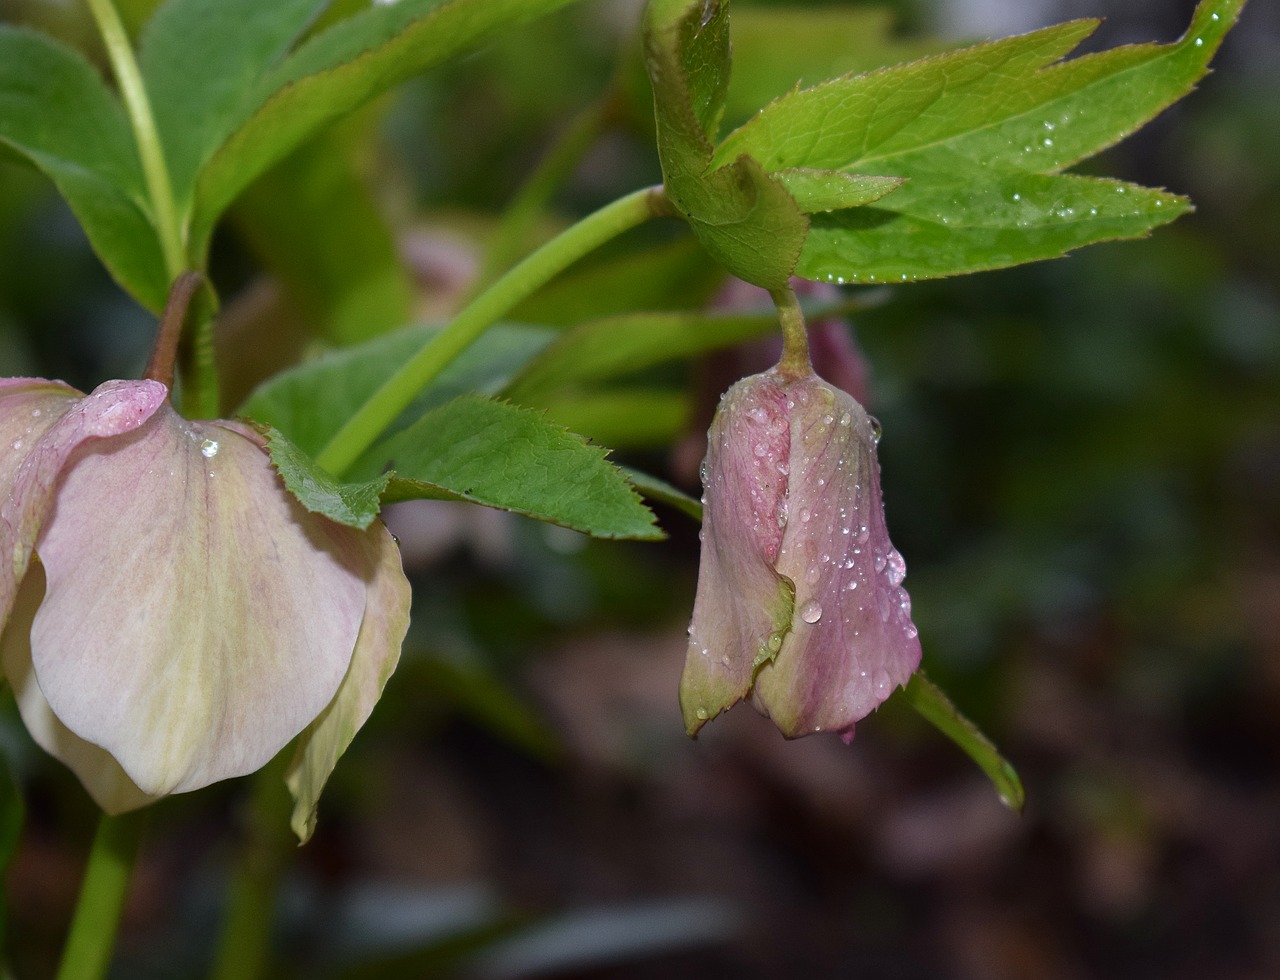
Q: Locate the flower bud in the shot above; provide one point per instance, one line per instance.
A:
(800, 604)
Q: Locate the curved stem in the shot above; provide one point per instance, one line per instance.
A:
(165, 352)
(795, 335)
(87, 953)
(373, 417)
(154, 168)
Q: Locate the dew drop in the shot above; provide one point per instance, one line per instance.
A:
(36, 413)
(17, 444)
(759, 449)
(846, 419)
(208, 449)
(828, 419)
(897, 567)
(911, 631)
(775, 642)
(880, 563)
(812, 612)
(1017, 197)
(1047, 141)
(702, 714)
(877, 430)
(1199, 42)
(805, 515)
(864, 532)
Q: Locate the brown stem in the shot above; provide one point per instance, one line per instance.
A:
(165, 352)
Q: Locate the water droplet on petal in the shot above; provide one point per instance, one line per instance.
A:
(702, 714)
(812, 612)
(880, 562)
(208, 449)
(877, 430)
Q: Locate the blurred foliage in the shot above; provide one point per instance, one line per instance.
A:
(1081, 463)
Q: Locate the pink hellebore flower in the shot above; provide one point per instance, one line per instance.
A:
(800, 604)
(172, 615)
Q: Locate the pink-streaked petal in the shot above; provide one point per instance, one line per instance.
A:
(113, 408)
(100, 774)
(29, 407)
(742, 606)
(196, 616)
(386, 620)
(852, 641)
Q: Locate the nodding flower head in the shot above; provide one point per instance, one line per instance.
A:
(172, 615)
(800, 605)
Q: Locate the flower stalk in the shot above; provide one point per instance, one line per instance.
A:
(87, 952)
(164, 211)
(396, 393)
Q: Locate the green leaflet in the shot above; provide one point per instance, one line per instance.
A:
(497, 454)
(56, 112)
(932, 703)
(310, 402)
(980, 135)
(334, 72)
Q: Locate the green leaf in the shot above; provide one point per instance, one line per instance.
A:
(502, 456)
(663, 492)
(833, 190)
(928, 230)
(56, 112)
(625, 418)
(202, 61)
(776, 49)
(743, 218)
(333, 73)
(311, 402)
(971, 129)
(621, 345)
(354, 504)
(857, 120)
(314, 223)
(936, 708)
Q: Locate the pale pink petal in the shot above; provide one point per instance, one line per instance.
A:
(852, 641)
(196, 616)
(100, 774)
(742, 607)
(28, 408)
(386, 620)
(111, 409)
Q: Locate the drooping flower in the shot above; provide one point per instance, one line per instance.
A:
(800, 604)
(172, 615)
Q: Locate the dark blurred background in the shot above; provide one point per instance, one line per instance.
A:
(1081, 464)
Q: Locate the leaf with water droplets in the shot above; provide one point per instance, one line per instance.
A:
(936, 708)
(969, 130)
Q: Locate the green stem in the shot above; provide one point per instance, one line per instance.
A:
(373, 417)
(87, 953)
(795, 335)
(154, 169)
(245, 946)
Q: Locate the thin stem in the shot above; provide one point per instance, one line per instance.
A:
(795, 335)
(165, 351)
(154, 169)
(87, 953)
(245, 946)
(373, 417)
